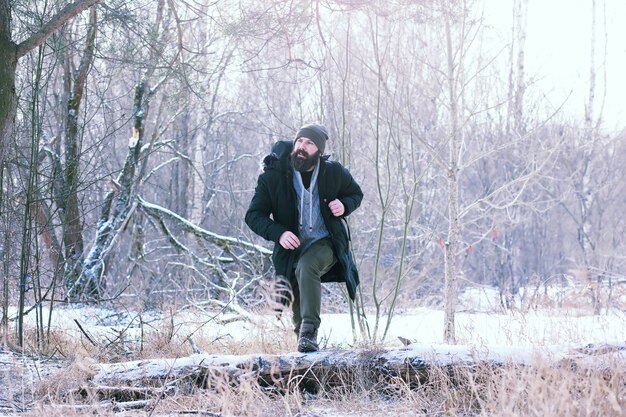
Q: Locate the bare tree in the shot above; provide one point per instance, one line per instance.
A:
(68, 200)
(468, 104)
(467, 177)
(10, 53)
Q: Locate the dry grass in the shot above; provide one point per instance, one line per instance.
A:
(551, 391)
(595, 388)
(544, 390)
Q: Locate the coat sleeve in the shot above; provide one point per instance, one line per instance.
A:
(350, 193)
(258, 215)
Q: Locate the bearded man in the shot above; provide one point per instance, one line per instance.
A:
(300, 203)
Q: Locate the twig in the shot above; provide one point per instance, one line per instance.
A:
(85, 333)
(194, 346)
(132, 405)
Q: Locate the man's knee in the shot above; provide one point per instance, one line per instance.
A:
(307, 269)
(315, 261)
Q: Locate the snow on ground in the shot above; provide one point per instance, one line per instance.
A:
(478, 323)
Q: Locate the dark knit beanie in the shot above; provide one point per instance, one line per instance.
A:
(317, 133)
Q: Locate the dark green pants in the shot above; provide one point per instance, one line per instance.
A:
(307, 288)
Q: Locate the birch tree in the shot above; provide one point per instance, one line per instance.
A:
(585, 192)
(454, 137)
(468, 104)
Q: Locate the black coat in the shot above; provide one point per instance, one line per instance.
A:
(274, 210)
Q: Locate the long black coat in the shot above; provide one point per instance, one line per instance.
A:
(274, 210)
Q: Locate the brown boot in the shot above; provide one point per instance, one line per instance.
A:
(307, 342)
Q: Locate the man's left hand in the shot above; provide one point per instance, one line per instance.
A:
(336, 207)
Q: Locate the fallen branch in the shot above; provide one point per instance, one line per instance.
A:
(224, 242)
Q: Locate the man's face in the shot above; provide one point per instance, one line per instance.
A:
(305, 155)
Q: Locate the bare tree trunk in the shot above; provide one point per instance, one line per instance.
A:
(8, 61)
(72, 222)
(8, 64)
(454, 222)
(503, 267)
(520, 85)
(197, 146)
(586, 193)
(4, 258)
(181, 178)
(196, 184)
(383, 179)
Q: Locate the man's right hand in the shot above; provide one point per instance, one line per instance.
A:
(289, 241)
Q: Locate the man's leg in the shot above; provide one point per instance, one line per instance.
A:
(313, 263)
(295, 307)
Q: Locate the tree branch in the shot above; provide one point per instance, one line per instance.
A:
(58, 20)
(223, 242)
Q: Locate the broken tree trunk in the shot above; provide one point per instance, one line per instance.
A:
(119, 206)
(373, 368)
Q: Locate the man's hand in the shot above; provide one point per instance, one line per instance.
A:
(289, 241)
(336, 207)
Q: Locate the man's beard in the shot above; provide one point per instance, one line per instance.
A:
(304, 164)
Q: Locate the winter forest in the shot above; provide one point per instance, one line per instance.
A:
(133, 133)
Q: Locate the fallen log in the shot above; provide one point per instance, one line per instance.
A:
(378, 368)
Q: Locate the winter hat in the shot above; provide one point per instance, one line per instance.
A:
(317, 133)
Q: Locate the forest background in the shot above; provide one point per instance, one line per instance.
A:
(132, 136)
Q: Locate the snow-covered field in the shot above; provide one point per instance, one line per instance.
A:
(479, 323)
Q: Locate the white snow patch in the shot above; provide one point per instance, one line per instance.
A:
(477, 330)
